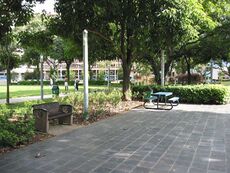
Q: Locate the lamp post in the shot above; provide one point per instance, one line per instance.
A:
(108, 76)
(41, 76)
(85, 58)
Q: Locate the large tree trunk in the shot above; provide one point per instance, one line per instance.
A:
(126, 62)
(187, 59)
(155, 69)
(169, 61)
(68, 71)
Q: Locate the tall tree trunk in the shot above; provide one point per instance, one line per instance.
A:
(155, 68)
(8, 84)
(37, 73)
(126, 63)
(169, 60)
(68, 71)
(187, 59)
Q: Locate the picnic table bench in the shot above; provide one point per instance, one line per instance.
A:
(49, 111)
(160, 99)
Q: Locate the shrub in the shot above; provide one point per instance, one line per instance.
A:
(196, 78)
(99, 101)
(31, 75)
(32, 82)
(61, 82)
(98, 82)
(15, 132)
(197, 94)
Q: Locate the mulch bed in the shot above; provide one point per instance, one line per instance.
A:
(78, 119)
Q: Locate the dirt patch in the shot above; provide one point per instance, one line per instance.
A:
(116, 111)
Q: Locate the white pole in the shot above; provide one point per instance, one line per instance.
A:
(85, 58)
(212, 70)
(41, 76)
(162, 68)
(108, 76)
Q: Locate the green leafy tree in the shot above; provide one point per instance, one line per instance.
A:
(118, 27)
(65, 50)
(9, 59)
(172, 26)
(32, 57)
(14, 13)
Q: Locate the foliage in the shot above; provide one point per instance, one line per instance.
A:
(196, 94)
(101, 76)
(14, 13)
(31, 75)
(195, 78)
(99, 101)
(31, 82)
(98, 82)
(16, 132)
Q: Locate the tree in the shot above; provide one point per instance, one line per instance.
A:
(172, 26)
(32, 57)
(66, 50)
(212, 42)
(118, 27)
(14, 13)
(9, 59)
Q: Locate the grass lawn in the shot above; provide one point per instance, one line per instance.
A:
(225, 83)
(34, 90)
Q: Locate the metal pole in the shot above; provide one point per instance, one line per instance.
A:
(108, 76)
(211, 70)
(162, 68)
(41, 76)
(85, 58)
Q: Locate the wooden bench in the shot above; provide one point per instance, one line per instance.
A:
(48, 111)
(174, 101)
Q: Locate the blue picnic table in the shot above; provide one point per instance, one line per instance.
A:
(162, 97)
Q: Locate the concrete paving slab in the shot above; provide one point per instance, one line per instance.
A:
(189, 138)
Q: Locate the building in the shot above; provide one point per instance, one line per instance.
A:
(97, 70)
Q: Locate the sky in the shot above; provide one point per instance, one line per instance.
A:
(48, 6)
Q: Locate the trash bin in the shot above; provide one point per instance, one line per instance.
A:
(55, 90)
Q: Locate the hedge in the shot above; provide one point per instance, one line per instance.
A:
(195, 94)
(91, 82)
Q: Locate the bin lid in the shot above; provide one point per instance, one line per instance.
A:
(55, 87)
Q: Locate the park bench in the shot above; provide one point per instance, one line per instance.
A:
(48, 111)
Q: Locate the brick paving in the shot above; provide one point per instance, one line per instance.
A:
(187, 139)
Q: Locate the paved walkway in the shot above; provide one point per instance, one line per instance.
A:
(188, 139)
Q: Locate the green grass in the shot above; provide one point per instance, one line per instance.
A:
(34, 90)
(225, 83)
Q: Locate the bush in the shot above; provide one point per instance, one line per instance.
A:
(32, 82)
(197, 94)
(16, 132)
(61, 82)
(196, 78)
(98, 82)
(31, 75)
(99, 101)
